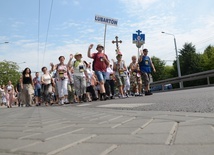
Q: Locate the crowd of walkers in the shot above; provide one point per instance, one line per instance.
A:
(79, 81)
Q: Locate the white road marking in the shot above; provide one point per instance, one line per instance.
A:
(108, 150)
(110, 120)
(172, 134)
(82, 105)
(25, 146)
(71, 145)
(142, 127)
(67, 133)
(123, 122)
(123, 105)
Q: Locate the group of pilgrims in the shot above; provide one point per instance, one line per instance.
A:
(78, 81)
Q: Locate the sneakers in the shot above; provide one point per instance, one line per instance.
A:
(84, 98)
(112, 97)
(61, 102)
(66, 101)
(94, 99)
(127, 95)
(136, 94)
(103, 97)
(148, 93)
(122, 96)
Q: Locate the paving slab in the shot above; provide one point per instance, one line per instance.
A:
(203, 134)
(157, 128)
(87, 149)
(57, 144)
(104, 131)
(131, 139)
(163, 150)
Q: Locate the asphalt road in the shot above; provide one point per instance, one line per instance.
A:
(190, 100)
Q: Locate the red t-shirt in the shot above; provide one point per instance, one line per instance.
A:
(99, 64)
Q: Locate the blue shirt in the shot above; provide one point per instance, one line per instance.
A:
(37, 83)
(145, 64)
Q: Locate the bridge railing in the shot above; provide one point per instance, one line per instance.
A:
(190, 77)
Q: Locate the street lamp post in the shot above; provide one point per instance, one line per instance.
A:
(177, 58)
(21, 63)
(4, 42)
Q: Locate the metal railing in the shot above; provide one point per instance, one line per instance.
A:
(190, 77)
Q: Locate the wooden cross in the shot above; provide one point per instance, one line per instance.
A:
(117, 41)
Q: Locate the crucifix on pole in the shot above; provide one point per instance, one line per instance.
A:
(117, 46)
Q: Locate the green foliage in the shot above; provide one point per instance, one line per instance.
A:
(207, 58)
(189, 60)
(162, 71)
(9, 71)
(192, 62)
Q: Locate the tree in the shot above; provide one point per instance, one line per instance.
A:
(168, 72)
(189, 60)
(162, 71)
(9, 71)
(207, 58)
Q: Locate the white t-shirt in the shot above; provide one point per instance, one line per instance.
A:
(46, 78)
(109, 72)
(120, 66)
(79, 68)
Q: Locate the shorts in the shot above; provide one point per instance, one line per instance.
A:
(37, 92)
(101, 76)
(121, 80)
(146, 78)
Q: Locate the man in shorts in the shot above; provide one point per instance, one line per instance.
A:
(146, 67)
(100, 65)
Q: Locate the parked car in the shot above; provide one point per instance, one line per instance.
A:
(159, 87)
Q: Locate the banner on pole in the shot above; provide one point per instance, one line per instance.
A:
(106, 20)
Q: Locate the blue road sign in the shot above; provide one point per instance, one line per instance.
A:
(138, 38)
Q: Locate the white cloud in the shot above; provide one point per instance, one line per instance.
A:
(137, 7)
(76, 2)
(76, 36)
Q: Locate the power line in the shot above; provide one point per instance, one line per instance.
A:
(38, 36)
(205, 40)
(47, 31)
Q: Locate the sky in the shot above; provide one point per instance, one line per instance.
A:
(38, 33)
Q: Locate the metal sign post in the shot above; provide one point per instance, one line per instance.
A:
(106, 21)
(104, 44)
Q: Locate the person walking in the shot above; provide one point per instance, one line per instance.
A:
(80, 75)
(18, 91)
(3, 92)
(90, 90)
(146, 67)
(71, 90)
(37, 88)
(119, 67)
(135, 77)
(27, 87)
(10, 93)
(109, 84)
(99, 65)
(47, 82)
(61, 79)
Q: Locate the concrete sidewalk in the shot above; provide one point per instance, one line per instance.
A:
(70, 130)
